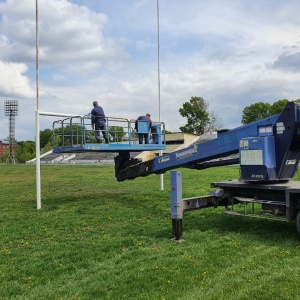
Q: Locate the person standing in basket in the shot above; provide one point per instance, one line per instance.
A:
(99, 122)
(147, 124)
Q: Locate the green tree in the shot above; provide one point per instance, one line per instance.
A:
(45, 137)
(4, 157)
(25, 150)
(68, 135)
(278, 106)
(256, 112)
(260, 110)
(116, 133)
(199, 119)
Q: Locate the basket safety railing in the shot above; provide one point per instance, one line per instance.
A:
(77, 130)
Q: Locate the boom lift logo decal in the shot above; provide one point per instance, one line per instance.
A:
(164, 159)
(187, 153)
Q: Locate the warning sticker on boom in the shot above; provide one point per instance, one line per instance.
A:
(251, 157)
(280, 127)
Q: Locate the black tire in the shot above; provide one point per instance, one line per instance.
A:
(298, 222)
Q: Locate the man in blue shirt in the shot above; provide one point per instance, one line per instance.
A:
(98, 122)
(147, 124)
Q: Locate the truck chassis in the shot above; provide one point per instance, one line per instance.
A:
(279, 201)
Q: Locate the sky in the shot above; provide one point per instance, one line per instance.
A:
(231, 53)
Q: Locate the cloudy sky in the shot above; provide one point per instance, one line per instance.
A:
(231, 53)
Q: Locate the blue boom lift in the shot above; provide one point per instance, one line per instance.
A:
(269, 152)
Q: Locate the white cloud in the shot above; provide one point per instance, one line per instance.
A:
(232, 54)
(68, 33)
(13, 82)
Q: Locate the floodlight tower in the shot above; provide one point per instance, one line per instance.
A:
(11, 110)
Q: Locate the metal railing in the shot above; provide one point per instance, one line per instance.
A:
(77, 130)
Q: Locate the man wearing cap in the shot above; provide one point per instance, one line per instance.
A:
(145, 134)
(98, 122)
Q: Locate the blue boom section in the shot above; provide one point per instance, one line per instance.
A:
(269, 151)
(226, 144)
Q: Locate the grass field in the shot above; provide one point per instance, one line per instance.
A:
(96, 238)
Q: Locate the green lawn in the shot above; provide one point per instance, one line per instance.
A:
(96, 238)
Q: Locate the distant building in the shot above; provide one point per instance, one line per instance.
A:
(4, 147)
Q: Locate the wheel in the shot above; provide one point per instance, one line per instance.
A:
(298, 222)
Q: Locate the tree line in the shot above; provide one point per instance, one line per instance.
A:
(199, 120)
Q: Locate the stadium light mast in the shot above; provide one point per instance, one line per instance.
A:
(11, 110)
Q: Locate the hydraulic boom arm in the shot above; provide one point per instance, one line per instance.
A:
(268, 151)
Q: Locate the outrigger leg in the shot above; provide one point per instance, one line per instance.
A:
(176, 205)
